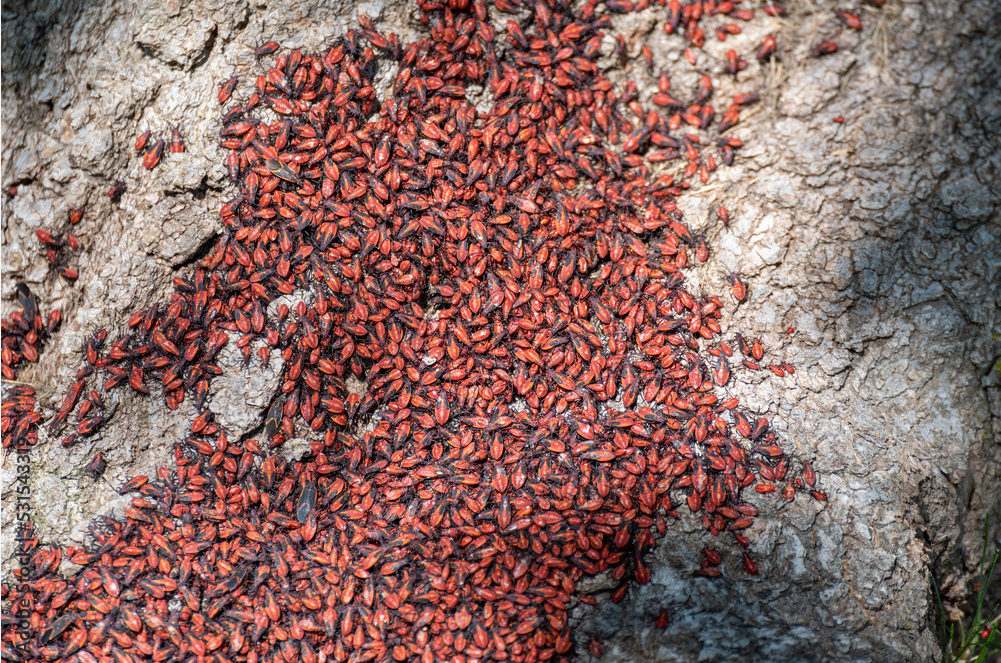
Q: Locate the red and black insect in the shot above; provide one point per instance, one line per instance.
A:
(97, 465)
(266, 49)
(273, 419)
(825, 48)
(176, 141)
(737, 287)
(849, 19)
(767, 49)
(132, 484)
(227, 89)
(663, 619)
(152, 157)
(116, 191)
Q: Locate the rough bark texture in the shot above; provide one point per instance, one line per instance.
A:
(878, 240)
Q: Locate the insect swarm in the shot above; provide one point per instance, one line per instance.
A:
(24, 334)
(508, 285)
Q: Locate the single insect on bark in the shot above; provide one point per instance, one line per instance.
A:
(227, 90)
(152, 157)
(767, 49)
(96, 465)
(115, 192)
(809, 476)
(825, 48)
(273, 418)
(266, 49)
(663, 619)
(849, 19)
(176, 141)
(737, 287)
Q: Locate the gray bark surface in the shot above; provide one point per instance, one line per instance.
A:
(877, 239)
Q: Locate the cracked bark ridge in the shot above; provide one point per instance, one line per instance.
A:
(876, 239)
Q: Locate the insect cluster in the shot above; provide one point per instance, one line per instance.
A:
(850, 20)
(542, 394)
(24, 332)
(57, 248)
